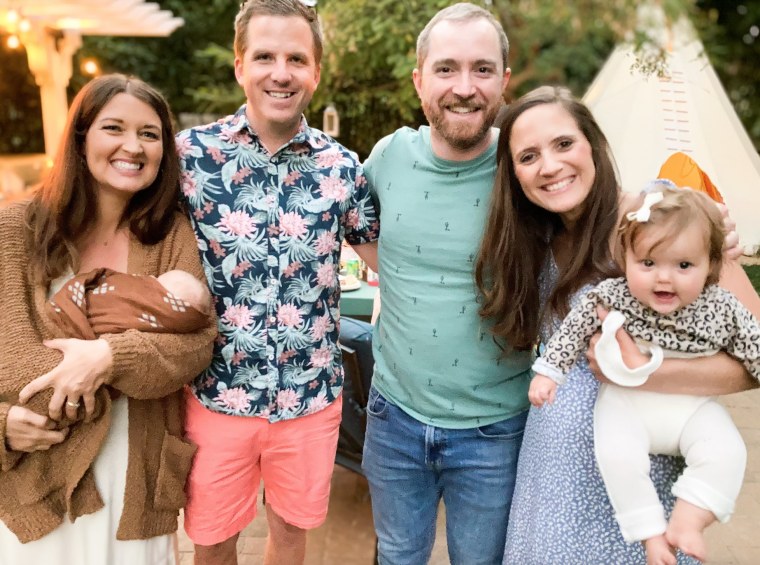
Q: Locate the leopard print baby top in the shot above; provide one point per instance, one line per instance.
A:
(715, 321)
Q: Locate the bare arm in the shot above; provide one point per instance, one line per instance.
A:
(368, 254)
(735, 280)
(708, 376)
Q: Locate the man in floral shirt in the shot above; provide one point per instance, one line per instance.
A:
(271, 200)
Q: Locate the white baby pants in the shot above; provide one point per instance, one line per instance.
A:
(629, 424)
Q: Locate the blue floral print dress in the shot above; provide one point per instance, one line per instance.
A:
(561, 514)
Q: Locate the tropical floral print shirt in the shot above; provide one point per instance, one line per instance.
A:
(269, 229)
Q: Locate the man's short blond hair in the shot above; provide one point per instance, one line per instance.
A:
(461, 12)
(284, 8)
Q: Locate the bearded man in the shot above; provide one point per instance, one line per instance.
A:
(447, 409)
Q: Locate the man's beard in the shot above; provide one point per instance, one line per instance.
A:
(461, 136)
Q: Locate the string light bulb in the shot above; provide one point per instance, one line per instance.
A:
(90, 67)
(12, 17)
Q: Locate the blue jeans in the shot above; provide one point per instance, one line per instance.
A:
(410, 466)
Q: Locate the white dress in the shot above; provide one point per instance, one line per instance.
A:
(91, 540)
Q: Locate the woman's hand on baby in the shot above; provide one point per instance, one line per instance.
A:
(75, 379)
(542, 391)
(28, 431)
(632, 355)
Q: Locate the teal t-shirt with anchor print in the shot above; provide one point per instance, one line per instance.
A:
(434, 356)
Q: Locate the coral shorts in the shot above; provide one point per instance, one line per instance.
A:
(294, 458)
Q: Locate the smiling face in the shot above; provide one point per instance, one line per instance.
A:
(553, 161)
(460, 85)
(279, 75)
(667, 275)
(123, 146)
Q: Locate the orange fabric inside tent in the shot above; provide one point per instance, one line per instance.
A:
(684, 172)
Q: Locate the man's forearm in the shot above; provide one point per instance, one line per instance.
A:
(368, 254)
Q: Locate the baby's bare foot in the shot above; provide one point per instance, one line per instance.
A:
(687, 523)
(689, 541)
(659, 551)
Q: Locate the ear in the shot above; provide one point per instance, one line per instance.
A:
(317, 73)
(618, 253)
(417, 80)
(239, 71)
(505, 78)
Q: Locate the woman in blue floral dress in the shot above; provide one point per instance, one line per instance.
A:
(553, 214)
(560, 511)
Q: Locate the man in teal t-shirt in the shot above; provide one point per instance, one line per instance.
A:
(447, 408)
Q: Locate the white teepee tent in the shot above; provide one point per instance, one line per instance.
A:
(647, 119)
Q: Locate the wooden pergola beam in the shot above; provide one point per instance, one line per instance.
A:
(52, 30)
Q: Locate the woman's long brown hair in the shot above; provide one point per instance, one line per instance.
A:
(61, 211)
(518, 235)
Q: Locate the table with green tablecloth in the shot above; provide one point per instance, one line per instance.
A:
(358, 303)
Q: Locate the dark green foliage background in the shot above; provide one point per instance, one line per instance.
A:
(369, 55)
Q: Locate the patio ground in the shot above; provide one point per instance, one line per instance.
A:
(347, 538)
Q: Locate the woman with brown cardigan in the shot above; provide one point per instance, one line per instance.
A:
(92, 459)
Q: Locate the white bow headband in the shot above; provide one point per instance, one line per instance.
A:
(643, 213)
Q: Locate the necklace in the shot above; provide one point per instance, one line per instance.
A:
(105, 240)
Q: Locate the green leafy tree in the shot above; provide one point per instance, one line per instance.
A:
(366, 69)
(730, 31)
(20, 110)
(179, 64)
(183, 66)
(370, 53)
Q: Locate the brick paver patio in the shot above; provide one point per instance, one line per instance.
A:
(347, 538)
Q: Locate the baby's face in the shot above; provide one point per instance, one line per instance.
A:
(672, 274)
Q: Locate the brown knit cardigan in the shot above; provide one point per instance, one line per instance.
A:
(149, 368)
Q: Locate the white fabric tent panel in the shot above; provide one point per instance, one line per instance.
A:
(646, 119)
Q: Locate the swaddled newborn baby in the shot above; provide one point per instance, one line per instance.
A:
(87, 306)
(105, 301)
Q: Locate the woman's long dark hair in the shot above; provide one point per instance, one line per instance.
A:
(517, 237)
(61, 211)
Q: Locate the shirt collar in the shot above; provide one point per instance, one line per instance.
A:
(305, 134)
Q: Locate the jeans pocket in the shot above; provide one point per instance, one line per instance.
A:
(377, 405)
(511, 428)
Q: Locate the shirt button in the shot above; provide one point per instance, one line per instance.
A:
(271, 356)
(272, 319)
(273, 281)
